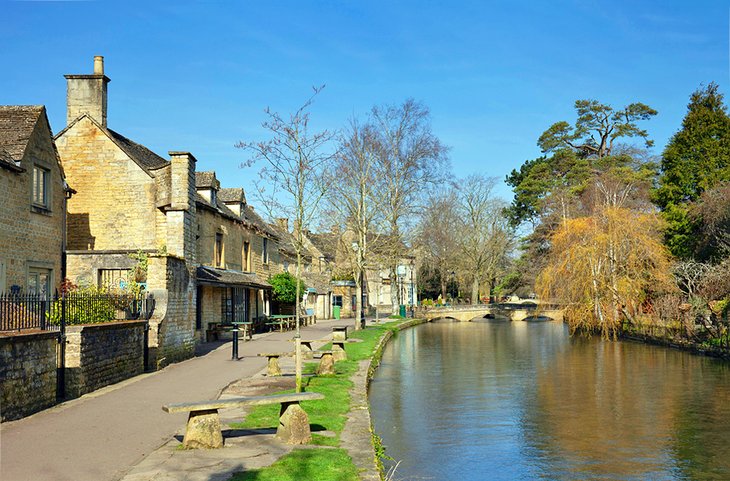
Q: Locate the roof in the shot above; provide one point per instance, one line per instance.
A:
(287, 242)
(230, 194)
(252, 219)
(220, 207)
(17, 123)
(141, 155)
(228, 277)
(205, 179)
(326, 243)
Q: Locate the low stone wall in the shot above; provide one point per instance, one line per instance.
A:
(27, 374)
(101, 354)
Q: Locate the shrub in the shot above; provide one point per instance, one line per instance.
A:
(285, 287)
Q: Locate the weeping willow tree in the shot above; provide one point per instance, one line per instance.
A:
(604, 267)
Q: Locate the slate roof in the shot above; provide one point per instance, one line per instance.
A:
(143, 156)
(326, 243)
(286, 242)
(220, 207)
(17, 123)
(205, 179)
(231, 194)
(251, 218)
(227, 277)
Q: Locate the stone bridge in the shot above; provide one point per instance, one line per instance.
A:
(511, 311)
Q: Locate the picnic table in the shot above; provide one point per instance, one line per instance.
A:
(281, 320)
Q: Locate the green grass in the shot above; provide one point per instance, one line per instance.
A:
(325, 414)
(321, 464)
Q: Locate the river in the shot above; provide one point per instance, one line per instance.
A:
(520, 401)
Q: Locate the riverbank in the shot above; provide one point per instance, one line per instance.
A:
(343, 446)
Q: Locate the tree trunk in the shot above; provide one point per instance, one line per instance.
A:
(475, 290)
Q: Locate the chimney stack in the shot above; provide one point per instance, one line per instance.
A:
(98, 65)
(86, 94)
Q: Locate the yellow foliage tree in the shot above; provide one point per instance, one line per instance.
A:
(604, 267)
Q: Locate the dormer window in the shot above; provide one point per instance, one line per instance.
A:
(213, 197)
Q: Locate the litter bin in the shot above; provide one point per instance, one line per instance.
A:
(336, 311)
(402, 311)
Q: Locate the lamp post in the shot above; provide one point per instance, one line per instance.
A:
(360, 287)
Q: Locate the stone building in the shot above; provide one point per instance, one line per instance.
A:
(133, 208)
(233, 252)
(33, 203)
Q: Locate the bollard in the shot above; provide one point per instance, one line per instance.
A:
(234, 347)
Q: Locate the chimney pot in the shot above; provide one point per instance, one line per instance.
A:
(98, 65)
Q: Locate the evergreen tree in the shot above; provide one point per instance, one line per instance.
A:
(696, 159)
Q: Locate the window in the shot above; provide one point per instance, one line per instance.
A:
(234, 305)
(40, 187)
(113, 278)
(286, 266)
(39, 282)
(218, 249)
(246, 261)
(265, 251)
(337, 301)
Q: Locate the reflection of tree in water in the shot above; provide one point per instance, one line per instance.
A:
(614, 410)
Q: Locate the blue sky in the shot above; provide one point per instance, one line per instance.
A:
(197, 75)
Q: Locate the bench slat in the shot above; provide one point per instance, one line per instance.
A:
(242, 401)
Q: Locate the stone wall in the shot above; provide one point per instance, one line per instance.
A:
(29, 237)
(101, 354)
(114, 207)
(172, 326)
(27, 374)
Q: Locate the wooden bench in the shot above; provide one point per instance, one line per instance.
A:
(215, 329)
(203, 429)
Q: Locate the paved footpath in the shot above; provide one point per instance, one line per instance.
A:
(101, 435)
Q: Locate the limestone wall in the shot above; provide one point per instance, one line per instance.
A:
(31, 237)
(114, 207)
(172, 326)
(27, 374)
(101, 354)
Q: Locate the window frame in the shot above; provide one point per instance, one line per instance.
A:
(265, 251)
(40, 200)
(246, 255)
(218, 250)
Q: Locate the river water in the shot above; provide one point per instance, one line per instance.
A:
(500, 400)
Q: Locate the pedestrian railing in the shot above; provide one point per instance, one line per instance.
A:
(38, 312)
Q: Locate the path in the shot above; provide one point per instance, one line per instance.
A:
(100, 436)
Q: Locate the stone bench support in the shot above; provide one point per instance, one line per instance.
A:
(203, 429)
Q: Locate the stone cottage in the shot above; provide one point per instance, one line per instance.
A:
(33, 203)
(134, 212)
(234, 252)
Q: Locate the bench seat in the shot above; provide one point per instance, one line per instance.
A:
(203, 429)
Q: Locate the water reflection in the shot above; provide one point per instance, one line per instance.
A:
(492, 400)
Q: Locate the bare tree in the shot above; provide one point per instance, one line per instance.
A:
(292, 183)
(437, 230)
(410, 160)
(354, 195)
(485, 237)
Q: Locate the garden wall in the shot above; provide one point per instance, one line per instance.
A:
(101, 354)
(27, 374)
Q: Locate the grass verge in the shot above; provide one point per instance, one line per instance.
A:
(330, 414)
